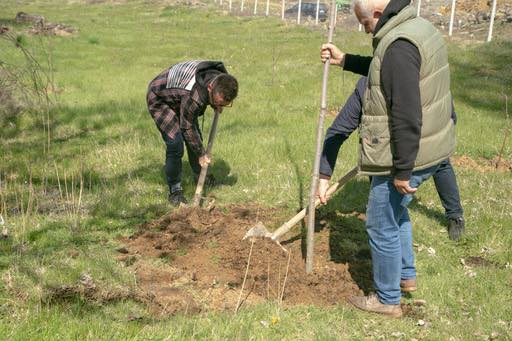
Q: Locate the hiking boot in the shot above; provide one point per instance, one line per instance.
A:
(408, 285)
(177, 199)
(456, 228)
(372, 304)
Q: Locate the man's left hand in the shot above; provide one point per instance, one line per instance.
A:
(402, 186)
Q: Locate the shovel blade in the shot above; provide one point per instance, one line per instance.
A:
(257, 231)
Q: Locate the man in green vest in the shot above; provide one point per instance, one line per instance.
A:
(406, 130)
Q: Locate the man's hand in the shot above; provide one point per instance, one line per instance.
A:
(323, 185)
(204, 160)
(336, 56)
(402, 186)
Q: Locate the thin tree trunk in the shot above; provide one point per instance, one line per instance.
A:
(316, 166)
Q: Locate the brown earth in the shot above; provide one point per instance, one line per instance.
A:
(203, 261)
(482, 165)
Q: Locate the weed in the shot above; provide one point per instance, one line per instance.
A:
(93, 40)
(216, 259)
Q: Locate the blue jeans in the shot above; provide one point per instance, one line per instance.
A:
(390, 234)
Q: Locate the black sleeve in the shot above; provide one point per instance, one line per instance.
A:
(357, 64)
(344, 124)
(400, 77)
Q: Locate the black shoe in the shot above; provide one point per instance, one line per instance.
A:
(456, 228)
(177, 198)
(208, 182)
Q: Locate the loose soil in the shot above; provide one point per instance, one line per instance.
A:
(482, 165)
(195, 260)
(478, 261)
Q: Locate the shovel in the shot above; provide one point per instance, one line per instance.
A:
(204, 170)
(259, 230)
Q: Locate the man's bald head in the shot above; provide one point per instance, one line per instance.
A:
(368, 6)
(368, 12)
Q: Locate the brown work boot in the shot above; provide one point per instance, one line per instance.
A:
(372, 304)
(408, 285)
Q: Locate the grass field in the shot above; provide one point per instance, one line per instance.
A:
(102, 175)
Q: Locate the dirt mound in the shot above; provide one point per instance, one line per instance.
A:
(203, 260)
(482, 165)
(472, 6)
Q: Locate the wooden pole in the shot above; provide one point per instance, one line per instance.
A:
(204, 170)
(266, 8)
(335, 14)
(282, 10)
(493, 14)
(316, 165)
(452, 16)
(242, 6)
(317, 11)
(419, 8)
(298, 12)
(230, 4)
(255, 7)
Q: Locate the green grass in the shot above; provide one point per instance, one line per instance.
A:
(105, 146)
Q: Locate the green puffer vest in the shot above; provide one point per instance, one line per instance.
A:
(437, 140)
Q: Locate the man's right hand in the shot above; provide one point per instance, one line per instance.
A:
(336, 56)
(204, 160)
(323, 185)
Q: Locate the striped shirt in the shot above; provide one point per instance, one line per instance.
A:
(178, 96)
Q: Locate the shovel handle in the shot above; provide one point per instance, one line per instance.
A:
(204, 170)
(299, 216)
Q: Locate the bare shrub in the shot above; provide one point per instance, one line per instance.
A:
(27, 84)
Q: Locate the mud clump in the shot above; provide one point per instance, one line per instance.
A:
(89, 290)
(195, 260)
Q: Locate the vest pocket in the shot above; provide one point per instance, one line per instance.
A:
(375, 142)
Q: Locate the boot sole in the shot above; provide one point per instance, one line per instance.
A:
(408, 289)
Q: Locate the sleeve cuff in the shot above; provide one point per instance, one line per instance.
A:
(325, 177)
(402, 174)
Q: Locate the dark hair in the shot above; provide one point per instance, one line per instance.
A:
(226, 86)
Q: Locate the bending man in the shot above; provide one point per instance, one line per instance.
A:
(176, 98)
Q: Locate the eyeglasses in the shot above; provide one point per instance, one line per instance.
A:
(229, 105)
(217, 101)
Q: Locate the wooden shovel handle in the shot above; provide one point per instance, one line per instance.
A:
(299, 216)
(204, 170)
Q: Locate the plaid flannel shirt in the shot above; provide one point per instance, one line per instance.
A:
(175, 99)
